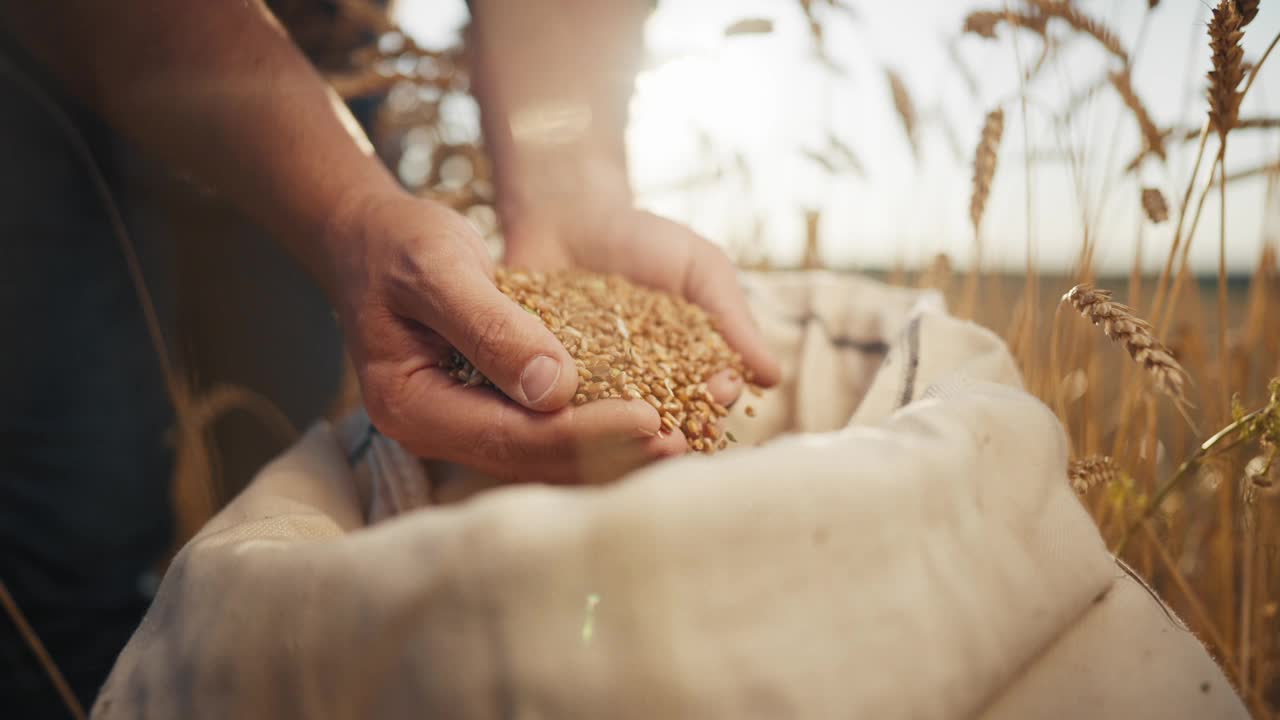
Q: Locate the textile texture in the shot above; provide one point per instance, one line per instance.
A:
(895, 538)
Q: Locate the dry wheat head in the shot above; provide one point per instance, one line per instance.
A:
(1122, 325)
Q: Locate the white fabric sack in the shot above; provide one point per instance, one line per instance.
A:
(903, 544)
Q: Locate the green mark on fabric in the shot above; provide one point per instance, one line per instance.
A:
(589, 619)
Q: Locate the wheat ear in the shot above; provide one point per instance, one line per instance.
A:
(1248, 10)
(1124, 87)
(906, 109)
(1089, 472)
(1122, 325)
(983, 22)
(1074, 17)
(1228, 66)
(984, 165)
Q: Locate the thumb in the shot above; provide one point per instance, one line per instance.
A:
(513, 349)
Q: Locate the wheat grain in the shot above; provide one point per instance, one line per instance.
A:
(1122, 325)
(1150, 133)
(984, 165)
(1154, 204)
(1087, 473)
(1228, 66)
(628, 343)
(1248, 10)
(1074, 17)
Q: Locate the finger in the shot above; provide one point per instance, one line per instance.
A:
(667, 444)
(725, 386)
(508, 344)
(434, 417)
(712, 283)
(610, 459)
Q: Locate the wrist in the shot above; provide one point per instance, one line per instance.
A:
(564, 193)
(343, 241)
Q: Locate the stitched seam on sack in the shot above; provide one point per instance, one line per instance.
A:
(912, 366)
(984, 707)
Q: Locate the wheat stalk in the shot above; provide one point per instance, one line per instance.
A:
(984, 165)
(43, 657)
(1089, 472)
(1122, 325)
(1225, 33)
(1187, 134)
(962, 67)
(1154, 204)
(1121, 81)
(1261, 425)
(1074, 17)
(1252, 172)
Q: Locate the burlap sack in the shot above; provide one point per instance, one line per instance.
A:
(903, 543)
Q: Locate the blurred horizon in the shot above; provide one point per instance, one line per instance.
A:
(724, 131)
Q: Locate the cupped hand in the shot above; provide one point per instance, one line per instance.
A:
(648, 250)
(413, 281)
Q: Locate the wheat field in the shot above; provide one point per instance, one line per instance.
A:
(1166, 382)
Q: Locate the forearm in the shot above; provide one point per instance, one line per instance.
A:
(554, 79)
(219, 91)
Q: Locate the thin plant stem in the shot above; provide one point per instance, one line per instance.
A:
(1198, 609)
(1156, 316)
(1253, 75)
(1163, 284)
(1246, 606)
(1184, 266)
(1222, 271)
(42, 654)
(1184, 469)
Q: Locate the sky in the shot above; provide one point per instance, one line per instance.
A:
(707, 107)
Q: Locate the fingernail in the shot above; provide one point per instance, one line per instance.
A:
(538, 378)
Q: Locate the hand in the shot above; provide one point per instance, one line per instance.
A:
(611, 237)
(412, 280)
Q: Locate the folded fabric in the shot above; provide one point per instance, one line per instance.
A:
(894, 538)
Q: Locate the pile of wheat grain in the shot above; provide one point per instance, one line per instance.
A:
(629, 342)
